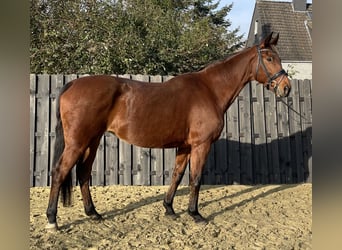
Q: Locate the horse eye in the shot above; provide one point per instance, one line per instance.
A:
(269, 59)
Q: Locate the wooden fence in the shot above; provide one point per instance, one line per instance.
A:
(263, 141)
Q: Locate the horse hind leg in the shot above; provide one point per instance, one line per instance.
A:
(182, 158)
(83, 171)
(59, 175)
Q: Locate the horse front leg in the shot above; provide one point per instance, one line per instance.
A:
(197, 162)
(182, 159)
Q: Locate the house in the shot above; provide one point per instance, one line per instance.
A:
(293, 21)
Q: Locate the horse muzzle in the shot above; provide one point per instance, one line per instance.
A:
(282, 88)
(286, 91)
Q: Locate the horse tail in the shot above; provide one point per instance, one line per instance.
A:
(59, 148)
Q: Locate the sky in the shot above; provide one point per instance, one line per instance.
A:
(241, 14)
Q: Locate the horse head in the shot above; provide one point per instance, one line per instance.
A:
(268, 70)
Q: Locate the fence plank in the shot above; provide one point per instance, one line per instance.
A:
(56, 84)
(284, 142)
(271, 137)
(157, 160)
(97, 173)
(33, 116)
(245, 135)
(111, 159)
(169, 163)
(259, 136)
(42, 131)
(157, 165)
(221, 159)
(306, 110)
(170, 157)
(233, 143)
(141, 156)
(125, 157)
(295, 134)
(141, 166)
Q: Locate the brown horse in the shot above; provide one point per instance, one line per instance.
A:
(185, 112)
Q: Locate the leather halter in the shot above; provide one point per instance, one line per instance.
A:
(270, 79)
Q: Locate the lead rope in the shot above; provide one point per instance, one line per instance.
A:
(294, 110)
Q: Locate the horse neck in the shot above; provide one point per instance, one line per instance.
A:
(227, 78)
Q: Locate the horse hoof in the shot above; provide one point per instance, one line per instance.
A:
(51, 227)
(96, 217)
(171, 215)
(198, 218)
(169, 210)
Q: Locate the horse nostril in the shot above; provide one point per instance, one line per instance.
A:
(286, 90)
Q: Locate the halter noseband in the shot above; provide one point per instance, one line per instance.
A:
(270, 79)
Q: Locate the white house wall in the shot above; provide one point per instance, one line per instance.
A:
(298, 70)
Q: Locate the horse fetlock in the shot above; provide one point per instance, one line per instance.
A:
(96, 217)
(51, 215)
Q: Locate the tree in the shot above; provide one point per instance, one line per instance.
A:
(128, 36)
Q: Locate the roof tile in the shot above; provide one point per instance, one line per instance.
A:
(294, 27)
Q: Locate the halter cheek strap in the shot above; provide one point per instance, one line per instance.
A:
(270, 79)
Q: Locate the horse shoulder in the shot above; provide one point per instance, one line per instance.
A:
(206, 120)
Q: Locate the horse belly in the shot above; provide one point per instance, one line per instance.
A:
(152, 135)
(148, 129)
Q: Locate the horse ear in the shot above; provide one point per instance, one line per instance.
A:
(274, 41)
(266, 42)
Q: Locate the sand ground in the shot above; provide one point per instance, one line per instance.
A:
(240, 217)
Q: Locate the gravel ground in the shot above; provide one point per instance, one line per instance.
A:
(240, 217)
